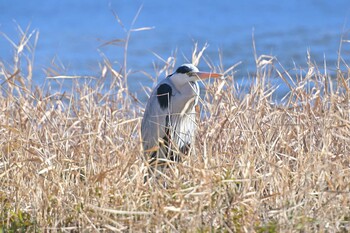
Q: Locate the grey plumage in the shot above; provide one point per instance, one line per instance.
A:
(169, 121)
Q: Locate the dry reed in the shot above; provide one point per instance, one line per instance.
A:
(73, 161)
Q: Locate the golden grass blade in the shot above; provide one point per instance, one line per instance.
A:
(70, 77)
(122, 212)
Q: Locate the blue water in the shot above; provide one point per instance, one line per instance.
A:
(72, 32)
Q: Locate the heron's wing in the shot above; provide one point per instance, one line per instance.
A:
(154, 124)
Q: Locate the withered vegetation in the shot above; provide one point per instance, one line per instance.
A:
(72, 161)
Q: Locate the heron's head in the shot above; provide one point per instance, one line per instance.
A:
(190, 73)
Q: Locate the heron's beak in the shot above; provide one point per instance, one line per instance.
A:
(205, 75)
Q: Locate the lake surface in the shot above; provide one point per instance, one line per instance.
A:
(72, 32)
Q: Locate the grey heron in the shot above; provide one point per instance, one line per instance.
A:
(169, 121)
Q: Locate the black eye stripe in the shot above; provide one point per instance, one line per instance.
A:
(184, 70)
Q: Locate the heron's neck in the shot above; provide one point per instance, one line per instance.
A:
(181, 87)
(189, 90)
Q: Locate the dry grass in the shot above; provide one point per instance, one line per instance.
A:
(73, 161)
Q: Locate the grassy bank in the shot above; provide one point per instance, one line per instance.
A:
(73, 161)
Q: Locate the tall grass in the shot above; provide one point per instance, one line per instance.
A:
(73, 161)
